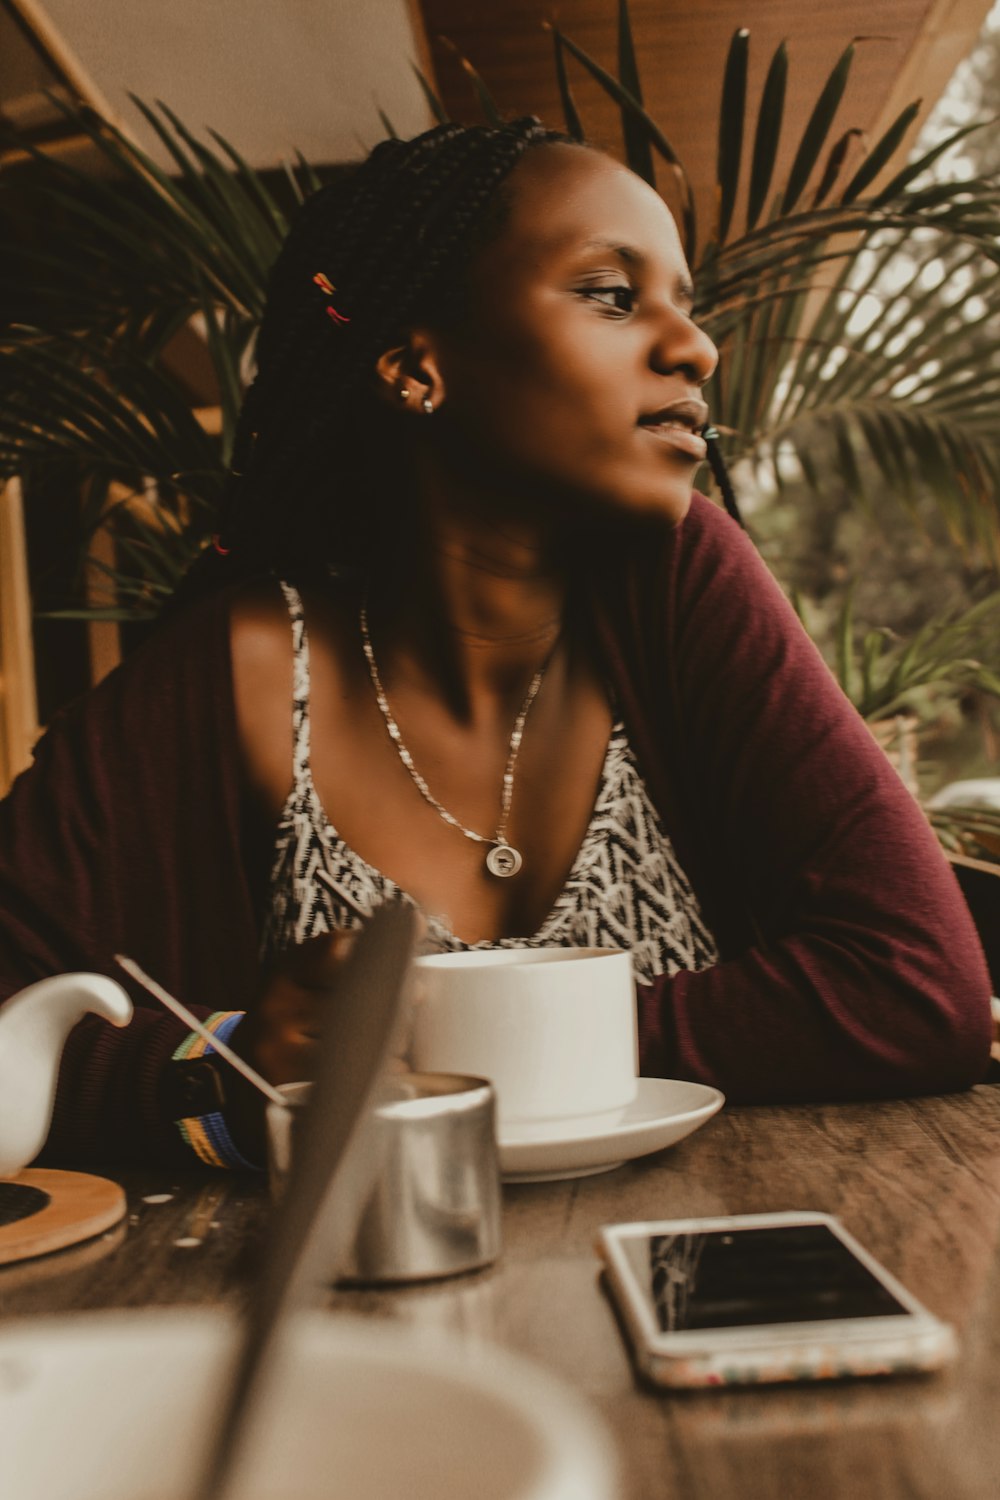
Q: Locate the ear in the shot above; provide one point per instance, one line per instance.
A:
(414, 367)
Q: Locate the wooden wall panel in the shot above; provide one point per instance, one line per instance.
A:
(914, 47)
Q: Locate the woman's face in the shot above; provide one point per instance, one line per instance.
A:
(576, 372)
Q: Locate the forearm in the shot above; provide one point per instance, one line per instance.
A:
(851, 967)
(809, 1018)
(121, 1098)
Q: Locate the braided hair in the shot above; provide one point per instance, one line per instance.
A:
(379, 249)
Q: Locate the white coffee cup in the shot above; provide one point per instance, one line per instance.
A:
(553, 1028)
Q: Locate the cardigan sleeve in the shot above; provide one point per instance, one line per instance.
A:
(863, 976)
(127, 835)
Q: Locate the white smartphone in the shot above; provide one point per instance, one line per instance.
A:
(763, 1297)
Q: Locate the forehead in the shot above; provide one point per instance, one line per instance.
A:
(564, 199)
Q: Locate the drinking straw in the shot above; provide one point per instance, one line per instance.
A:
(233, 1058)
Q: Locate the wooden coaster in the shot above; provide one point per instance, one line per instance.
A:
(42, 1210)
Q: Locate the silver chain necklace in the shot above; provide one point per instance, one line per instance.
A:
(503, 859)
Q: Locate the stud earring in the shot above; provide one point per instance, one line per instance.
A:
(428, 406)
(404, 393)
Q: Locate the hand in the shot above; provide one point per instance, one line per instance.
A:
(281, 1029)
(279, 1035)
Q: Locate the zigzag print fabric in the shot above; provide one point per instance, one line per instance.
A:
(626, 888)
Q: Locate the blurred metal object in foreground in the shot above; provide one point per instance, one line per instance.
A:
(435, 1207)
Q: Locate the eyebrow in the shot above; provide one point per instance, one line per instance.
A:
(627, 252)
(633, 257)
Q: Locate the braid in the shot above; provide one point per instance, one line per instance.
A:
(720, 474)
(394, 236)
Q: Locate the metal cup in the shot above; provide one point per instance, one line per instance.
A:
(435, 1207)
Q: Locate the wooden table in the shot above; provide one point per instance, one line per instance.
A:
(918, 1182)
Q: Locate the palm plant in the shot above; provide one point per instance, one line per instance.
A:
(128, 256)
(788, 277)
(948, 656)
(853, 315)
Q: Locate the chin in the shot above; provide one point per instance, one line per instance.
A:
(667, 503)
(677, 506)
(619, 501)
(650, 493)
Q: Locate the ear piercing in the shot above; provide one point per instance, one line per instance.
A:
(427, 404)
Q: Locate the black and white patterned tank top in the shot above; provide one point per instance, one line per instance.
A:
(626, 888)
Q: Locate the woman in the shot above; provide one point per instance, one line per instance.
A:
(539, 686)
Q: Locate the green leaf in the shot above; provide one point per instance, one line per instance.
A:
(729, 152)
(768, 134)
(254, 185)
(638, 154)
(817, 129)
(844, 439)
(574, 126)
(310, 177)
(226, 204)
(881, 153)
(434, 104)
(915, 169)
(834, 166)
(872, 647)
(621, 95)
(845, 645)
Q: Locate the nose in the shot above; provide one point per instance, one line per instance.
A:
(684, 348)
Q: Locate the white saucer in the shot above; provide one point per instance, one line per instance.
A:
(664, 1110)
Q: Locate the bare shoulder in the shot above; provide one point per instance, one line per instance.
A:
(260, 635)
(263, 670)
(260, 628)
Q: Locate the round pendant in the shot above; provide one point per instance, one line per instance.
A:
(503, 860)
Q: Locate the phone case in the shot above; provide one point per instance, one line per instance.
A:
(927, 1351)
(924, 1343)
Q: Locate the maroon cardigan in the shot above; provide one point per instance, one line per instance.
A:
(850, 967)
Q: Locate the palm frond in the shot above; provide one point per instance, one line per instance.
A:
(631, 106)
(638, 153)
(821, 351)
(817, 130)
(729, 151)
(767, 135)
(571, 115)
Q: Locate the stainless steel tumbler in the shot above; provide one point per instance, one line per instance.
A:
(435, 1207)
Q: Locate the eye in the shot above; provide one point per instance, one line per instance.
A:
(617, 298)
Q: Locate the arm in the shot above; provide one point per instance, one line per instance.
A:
(865, 977)
(128, 834)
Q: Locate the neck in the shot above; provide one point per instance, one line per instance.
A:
(473, 604)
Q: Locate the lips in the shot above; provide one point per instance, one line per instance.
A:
(678, 426)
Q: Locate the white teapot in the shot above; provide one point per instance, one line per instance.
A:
(34, 1024)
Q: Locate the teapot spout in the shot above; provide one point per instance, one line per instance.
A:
(34, 1025)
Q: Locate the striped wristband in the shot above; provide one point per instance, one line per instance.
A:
(208, 1135)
